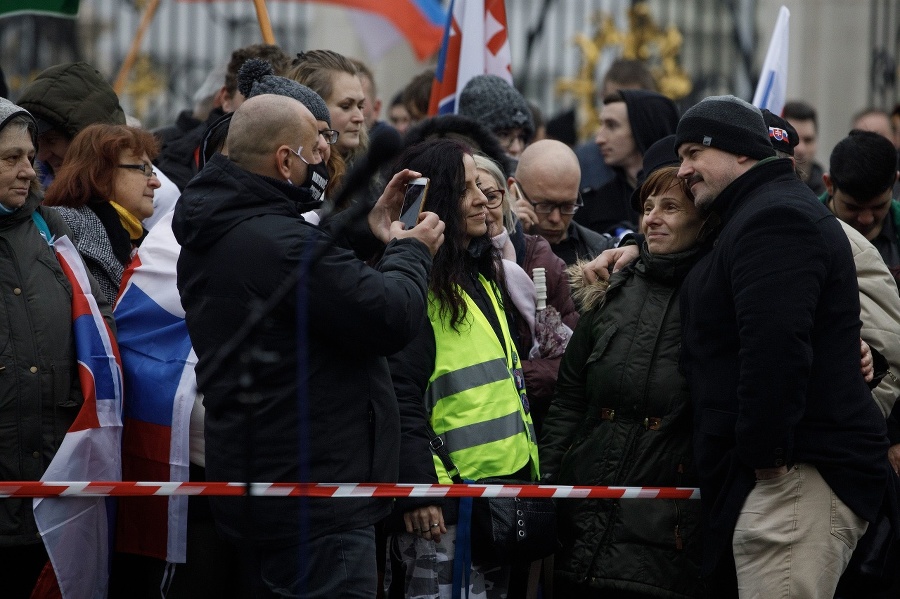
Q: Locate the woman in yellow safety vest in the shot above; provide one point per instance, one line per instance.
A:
(459, 382)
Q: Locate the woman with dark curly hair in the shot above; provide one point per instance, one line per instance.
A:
(103, 191)
(459, 379)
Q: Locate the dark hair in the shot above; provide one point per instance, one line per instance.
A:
(630, 72)
(863, 165)
(616, 96)
(441, 160)
(272, 54)
(90, 167)
(663, 179)
(417, 94)
(800, 111)
(470, 132)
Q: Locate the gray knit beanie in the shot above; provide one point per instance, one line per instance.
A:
(9, 111)
(728, 124)
(256, 77)
(495, 104)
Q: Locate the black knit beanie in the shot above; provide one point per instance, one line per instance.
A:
(728, 124)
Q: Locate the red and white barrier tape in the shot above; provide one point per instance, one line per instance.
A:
(145, 489)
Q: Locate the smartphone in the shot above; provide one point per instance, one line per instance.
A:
(414, 201)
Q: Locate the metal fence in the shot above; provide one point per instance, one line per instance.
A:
(188, 39)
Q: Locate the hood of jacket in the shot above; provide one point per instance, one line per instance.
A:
(70, 97)
(224, 195)
(652, 116)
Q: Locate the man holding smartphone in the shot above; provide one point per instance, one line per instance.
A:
(309, 396)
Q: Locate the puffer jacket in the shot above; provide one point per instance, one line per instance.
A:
(39, 389)
(621, 416)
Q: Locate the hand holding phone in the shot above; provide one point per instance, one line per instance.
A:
(414, 201)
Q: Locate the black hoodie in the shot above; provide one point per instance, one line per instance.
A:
(242, 236)
(652, 117)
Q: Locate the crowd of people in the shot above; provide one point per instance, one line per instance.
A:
(688, 300)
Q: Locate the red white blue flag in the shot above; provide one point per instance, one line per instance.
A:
(771, 90)
(77, 531)
(160, 389)
(475, 43)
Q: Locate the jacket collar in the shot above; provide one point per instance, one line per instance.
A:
(766, 171)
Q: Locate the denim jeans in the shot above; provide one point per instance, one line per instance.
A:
(341, 564)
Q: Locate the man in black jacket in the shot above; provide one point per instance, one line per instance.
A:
(789, 445)
(308, 396)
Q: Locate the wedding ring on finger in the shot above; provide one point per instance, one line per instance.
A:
(435, 525)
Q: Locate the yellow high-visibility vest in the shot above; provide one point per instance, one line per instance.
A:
(474, 403)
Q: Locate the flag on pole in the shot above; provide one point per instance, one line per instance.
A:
(76, 531)
(160, 389)
(771, 90)
(475, 43)
(49, 8)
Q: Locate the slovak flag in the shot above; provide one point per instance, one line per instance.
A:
(160, 388)
(475, 43)
(77, 530)
(771, 90)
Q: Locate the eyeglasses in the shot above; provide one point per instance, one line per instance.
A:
(494, 197)
(567, 208)
(330, 135)
(145, 168)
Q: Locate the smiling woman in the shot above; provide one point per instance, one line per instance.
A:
(460, 378)
(103, 190)
(621, 416)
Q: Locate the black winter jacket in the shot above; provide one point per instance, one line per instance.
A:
(320, 411)
(621, 417)
(40, 394)
(771, 327)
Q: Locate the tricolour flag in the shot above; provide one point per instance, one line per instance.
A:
(51, 8)
(160, 389)
(475, 43)
(419, 21)
(77, 531)
(771, 90)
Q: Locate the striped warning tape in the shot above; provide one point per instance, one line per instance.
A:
(145, 489)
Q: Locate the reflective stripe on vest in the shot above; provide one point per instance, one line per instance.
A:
(472, 398)
(469, 377)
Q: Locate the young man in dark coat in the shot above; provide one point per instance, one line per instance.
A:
(319, 405)
(789, 445)
(632, 120)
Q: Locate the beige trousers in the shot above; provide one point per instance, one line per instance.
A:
(794, 538)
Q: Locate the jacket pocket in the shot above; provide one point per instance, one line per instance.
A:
(602, 344)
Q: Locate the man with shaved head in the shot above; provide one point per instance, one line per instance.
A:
(545, 188)
(307, 396)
